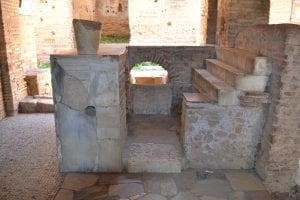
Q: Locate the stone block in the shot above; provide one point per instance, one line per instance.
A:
(108, 133)
(108, 117)
(28, 105)
(153, 197)
(252, 83)
(45, 106)
(262, 67)
(77, 139)
(110, 156)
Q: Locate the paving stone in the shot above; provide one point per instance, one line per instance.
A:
(168, 187)
(185, 180)
(153, 197)
(211, 187)
(64, 195)
(149, 157)
(257, 195)
(77, 181)
(91, 193)
(185, 196)
(211, 198)
(126, 190)
(244, 181)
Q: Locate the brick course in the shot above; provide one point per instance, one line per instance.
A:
(235, 15)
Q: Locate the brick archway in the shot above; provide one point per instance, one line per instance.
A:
(159, 60)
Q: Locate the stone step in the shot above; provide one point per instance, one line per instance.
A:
(154, 158)
(225, 72)
(197, 98)
(238, 58)
(217, 89)
(36, 105)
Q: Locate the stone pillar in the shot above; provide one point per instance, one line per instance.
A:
(90, 114)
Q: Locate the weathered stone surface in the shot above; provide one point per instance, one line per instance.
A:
(209, 130)
(75, 94)
(93, 192)
(211, 198)
(90, 112)
(185, 196)
(252, 83)
(254, 195)
(126, 190)
(28, 105)
(211, 187)
(64, 194)
(262, 67)
(148, 157)
(76, 181)
(168, 187)
(77, 139)
(153, 197)
(160, 184)
(151, 99)
(45, 106)
(240, 181)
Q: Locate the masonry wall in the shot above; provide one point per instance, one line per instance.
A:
(84, 9)
(178, 61)
(279, 154)
(2, 56)
(235, 15)
(114, 17)
(53, 27)
(165, 22)
(212, 10)
(18, 55)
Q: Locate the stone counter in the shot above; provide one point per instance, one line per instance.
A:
(90, 111)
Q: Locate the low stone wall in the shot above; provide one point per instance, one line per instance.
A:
(151, 99)
(220, 137)
(177, 60)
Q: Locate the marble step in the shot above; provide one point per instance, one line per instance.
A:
(238, 58)
(154, 158)
(225, 72)
(217, 89)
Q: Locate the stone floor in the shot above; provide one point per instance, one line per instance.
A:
(28, 159)
(29, 169)
(188, 185)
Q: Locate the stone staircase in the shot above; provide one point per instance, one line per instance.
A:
(232, 75)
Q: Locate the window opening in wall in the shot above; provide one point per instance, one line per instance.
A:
(25, 7)
(148, 73)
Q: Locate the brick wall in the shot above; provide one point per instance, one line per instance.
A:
(212, 8)
(235, 15)
(279, 154)
(114, 17)
(19, 54)
(2, 56)
(165, 22)
(84, 9)
(53, 29)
